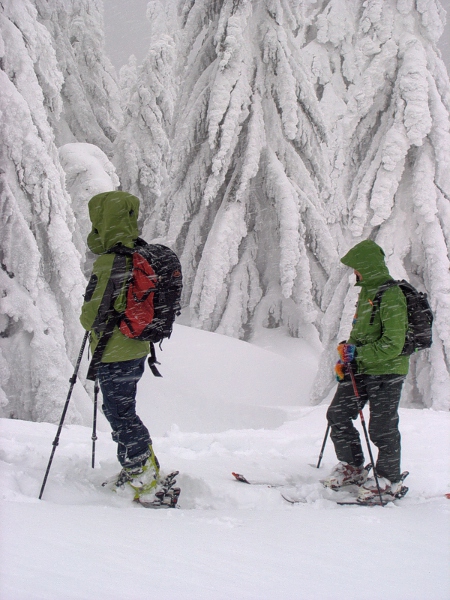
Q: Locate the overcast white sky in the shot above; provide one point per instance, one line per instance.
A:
(127, 30)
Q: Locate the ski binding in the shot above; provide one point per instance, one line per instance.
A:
(163, 499)
(386, 498)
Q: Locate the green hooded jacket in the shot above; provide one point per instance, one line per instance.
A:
(114, 220)
(378, 345)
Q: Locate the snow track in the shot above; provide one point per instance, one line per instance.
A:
(226, 539)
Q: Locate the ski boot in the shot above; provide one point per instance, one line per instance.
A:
(344, 474)
(369, 492)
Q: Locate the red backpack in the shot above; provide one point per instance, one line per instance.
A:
(153, 292)
(153, 298)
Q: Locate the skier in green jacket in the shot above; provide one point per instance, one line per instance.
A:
(114, 218)
(373, 352)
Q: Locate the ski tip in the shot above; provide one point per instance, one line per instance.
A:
(240, 477)
(287, 499)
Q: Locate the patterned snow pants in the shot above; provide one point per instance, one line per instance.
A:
(382, 392)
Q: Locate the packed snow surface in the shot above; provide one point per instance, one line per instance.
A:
(222, 405)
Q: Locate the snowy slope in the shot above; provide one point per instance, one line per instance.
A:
(222, 405)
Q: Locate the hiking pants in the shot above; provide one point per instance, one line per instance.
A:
(118, 382)
(382, 392)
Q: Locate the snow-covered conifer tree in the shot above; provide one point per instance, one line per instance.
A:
(380, 69)
(142, 148)
(249, 172)
(90, 94)
(41, 280)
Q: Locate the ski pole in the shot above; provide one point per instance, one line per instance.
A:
(323, 446)
(94, 422)
(363, 423)
(72, 380)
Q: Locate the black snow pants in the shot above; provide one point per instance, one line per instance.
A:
(382, 392)
(118, 382)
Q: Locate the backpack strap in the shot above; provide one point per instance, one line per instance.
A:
(377, 300)
(152, 362)
(107, 317)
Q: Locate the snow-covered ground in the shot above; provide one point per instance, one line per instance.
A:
(221, 406)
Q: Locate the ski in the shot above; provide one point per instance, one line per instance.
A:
(375, 501)
(241, 478)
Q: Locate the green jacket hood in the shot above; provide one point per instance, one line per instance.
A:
(114, 218)
(368, 258)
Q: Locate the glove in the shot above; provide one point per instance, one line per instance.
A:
(339, 369)
(347, 352)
